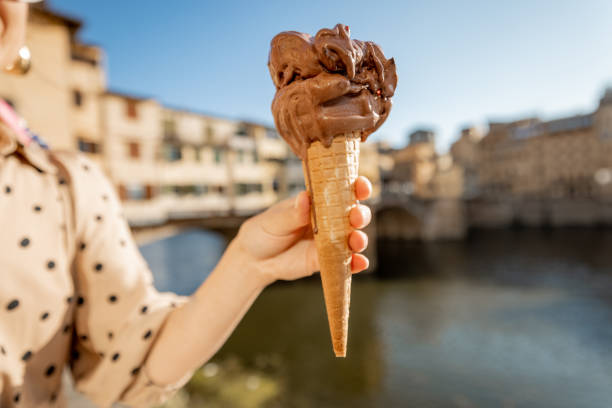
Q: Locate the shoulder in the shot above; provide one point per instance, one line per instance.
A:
(86, 179)
(72, 162)
(77, 168)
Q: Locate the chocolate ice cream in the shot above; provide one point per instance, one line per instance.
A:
(328, 85)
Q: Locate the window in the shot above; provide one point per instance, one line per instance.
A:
(131, 110)
(197, 154)
(169, 126)
(134, 150)
(172, 152)
(201, 189)
(209, 134)
(245, 188)
(185, 190)
(136, 191)
(86, 146)
(218, 155)
(149, 191)
(241, 189)
(77, 97)
(242, 131)
(122, 192)
(217, 189)
(272, 134)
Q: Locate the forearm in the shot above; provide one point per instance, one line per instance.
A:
(194, 332)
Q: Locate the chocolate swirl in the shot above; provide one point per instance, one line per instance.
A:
(328, 85)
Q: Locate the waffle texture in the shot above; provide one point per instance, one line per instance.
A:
(330, 173)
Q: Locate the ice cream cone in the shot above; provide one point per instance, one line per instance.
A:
(330, 174)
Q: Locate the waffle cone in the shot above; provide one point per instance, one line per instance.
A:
(330, 175)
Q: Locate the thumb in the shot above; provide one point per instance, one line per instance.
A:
(286, 217)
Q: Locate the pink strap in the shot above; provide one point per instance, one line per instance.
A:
(14, 122)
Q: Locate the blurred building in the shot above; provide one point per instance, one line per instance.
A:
(420, 171)
(422, 192)
(166, 163)
(415, 165)
(465, 154)
(60, 96)
(537, 172)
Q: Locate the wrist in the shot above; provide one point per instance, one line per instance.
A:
(250, 268)
(238, 265)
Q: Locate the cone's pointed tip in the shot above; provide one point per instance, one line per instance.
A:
(340, 353)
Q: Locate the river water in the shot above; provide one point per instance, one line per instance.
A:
(517, 318)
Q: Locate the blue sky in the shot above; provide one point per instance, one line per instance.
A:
(459, 62)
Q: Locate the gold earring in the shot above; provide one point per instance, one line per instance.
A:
(22, 63)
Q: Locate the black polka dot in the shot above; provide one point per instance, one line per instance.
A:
(53, 397)
(50, 265)
(24, 242)
(80, 301)
(44, 316)
(101, 355)
(85, 167)
(147, 334)
(62, 181)
(50, 370)
(144, 309)
(75, 355)
(12, 304)
(172, 304)
(110, 335)
(67, 328)
(26, 356)
(116, 356)
(98, 218)
(37, 208)
(3, 350)
(69, 299)
(17, 397)
(82, 246)
(98, 267)
(135, 371)
(83, 337)
(112, 298)
(8, 189)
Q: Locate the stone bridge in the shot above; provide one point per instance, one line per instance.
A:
(395, 216)
(401, 215)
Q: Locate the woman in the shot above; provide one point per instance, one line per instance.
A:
(75, 290)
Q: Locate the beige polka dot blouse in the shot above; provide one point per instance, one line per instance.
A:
(75, 292)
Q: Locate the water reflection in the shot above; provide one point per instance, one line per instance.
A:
(509, 319)
(182, 262)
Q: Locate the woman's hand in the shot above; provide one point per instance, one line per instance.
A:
(278, 243)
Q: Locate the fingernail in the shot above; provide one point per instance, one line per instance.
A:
(365, 213)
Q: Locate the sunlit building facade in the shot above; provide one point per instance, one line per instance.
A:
(563, 158)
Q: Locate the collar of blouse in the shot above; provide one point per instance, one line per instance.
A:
(33, 154)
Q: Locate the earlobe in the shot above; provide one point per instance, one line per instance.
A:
(13, 16)
(22, 63)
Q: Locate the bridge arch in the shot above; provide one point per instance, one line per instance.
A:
(399, 222)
